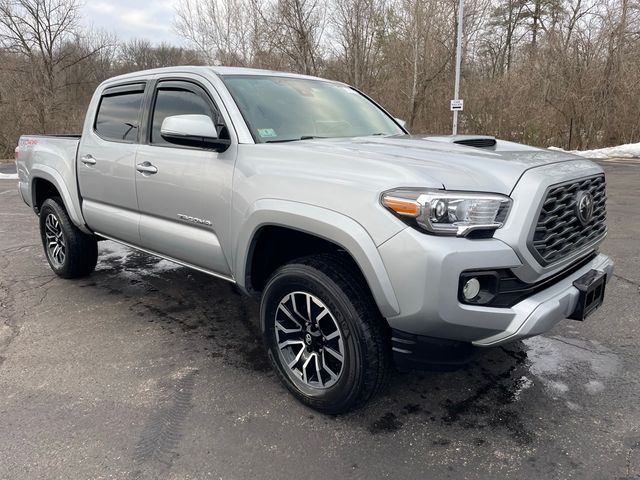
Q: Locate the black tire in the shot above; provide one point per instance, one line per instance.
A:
(336, 282)
(80, 251)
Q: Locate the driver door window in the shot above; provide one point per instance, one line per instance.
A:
(177, 101)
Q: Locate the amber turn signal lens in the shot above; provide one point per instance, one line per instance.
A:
(402, 206)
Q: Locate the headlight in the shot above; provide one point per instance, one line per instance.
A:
(445, 212)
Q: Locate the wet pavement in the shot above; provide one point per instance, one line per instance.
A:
(149, 370)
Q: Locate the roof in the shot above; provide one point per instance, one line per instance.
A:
(257, 71)
(220, 71)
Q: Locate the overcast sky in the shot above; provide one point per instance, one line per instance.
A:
(151, 19)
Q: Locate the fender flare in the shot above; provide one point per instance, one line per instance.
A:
(326, 224)
(44, 172)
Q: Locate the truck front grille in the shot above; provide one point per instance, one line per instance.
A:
(560, 230)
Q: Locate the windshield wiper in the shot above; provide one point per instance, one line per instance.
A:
(304, 137)
(311, 137)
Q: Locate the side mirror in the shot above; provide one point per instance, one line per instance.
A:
(193, 131)
(401, 122)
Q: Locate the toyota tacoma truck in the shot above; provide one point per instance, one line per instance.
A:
(369, 248)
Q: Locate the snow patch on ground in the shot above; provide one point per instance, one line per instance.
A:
(164, 266)
(554, 361)
(553, 356)
(594, 386)
(112, 252)
(630, 150)
(8, 176)
(524, 383)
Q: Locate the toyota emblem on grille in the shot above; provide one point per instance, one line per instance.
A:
(584, 207)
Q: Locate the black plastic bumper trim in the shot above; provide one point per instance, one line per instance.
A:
(510, 289)
(418, 352)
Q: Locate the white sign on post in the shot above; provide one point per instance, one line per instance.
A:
(457, 105)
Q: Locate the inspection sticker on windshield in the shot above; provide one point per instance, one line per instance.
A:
(267, 132)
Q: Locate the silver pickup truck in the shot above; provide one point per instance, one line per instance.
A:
(368, 247)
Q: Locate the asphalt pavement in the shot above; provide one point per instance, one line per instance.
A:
(146, 369)
(7, 167)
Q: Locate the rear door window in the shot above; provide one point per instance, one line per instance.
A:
(118, 117)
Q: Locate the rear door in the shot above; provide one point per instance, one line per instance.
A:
(106, 163)
(184, 192)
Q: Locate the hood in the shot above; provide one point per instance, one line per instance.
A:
(441, 161)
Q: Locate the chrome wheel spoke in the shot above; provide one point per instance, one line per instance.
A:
(335, 354)
(326, 368)
(333, 335)
(288, 343)
(295, 307)
(305, 379)
(322, 314)
(317, 362)
(284, 310)
(297, 358)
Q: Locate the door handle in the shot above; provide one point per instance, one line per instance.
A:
(146, 167)
(88, 159)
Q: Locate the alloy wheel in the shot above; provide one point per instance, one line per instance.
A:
(56, 248)
(310, 341)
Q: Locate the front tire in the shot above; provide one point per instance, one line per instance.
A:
(70, 252)
(324, 335)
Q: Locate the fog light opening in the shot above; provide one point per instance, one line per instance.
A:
(471, 289)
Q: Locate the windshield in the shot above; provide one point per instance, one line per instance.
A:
(281, 109)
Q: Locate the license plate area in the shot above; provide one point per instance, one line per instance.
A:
(591, 287)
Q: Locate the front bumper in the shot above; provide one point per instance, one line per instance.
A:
(541, 311)
(425, 270)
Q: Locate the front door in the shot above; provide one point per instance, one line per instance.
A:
(106, 163)
(184, 193)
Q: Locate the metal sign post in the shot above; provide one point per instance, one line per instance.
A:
(456, 90)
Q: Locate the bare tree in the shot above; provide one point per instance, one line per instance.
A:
(141, 54)
(38, 29)
(545, 72)
(424, 48)
(226, 32)
(361, 31)
(296, 30)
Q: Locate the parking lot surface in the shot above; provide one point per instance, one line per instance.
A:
(149, 370)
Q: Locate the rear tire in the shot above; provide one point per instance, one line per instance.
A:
(70, 252)
(324, 335)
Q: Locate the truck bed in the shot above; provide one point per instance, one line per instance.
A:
(57, 135)
(54, 158)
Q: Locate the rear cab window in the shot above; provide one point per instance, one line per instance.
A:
(118, 115)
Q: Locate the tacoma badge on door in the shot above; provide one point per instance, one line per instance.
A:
(189, 218)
